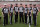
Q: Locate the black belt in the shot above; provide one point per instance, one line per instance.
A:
(21, 12)
(5, 13)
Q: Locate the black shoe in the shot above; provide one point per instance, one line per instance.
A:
(15, 22)
(34, 26)
(3, 24)
(6, 24)
(19, 22)
(30, 24)
(10, 23)
(25, 23)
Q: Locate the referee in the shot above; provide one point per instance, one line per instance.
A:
(11, 13)
(35, 12)
(21, 11)
(16, 13)
(30, 13)
(5, 14)
(26, 13)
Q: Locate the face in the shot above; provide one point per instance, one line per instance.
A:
(17, 5)
(34, 6)
(11, 6)
(30, 5)
(20, 5)
(5, 6)
(25, 6)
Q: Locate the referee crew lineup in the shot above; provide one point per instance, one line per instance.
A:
(22, 12)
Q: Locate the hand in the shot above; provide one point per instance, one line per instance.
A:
(18, 12)
(37, 13)
(2, 14)
(30, 14)
(23, 13)
(10, 14)
(27, 15)
(15, 13)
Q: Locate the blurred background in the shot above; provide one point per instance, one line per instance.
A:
(8, 2)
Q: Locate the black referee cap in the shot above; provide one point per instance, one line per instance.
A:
(20, 4)
(16, 4)
(30, 4)
(11, 5)
(26, 5)
(34, 5)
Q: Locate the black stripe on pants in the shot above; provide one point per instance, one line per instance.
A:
(29, 18)
(21, 15)
(16, 17)
(25, 17)
(5, 19)
(11, 18)
(34, 19)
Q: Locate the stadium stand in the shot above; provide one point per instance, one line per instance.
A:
(8, 2)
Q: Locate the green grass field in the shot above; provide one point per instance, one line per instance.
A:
(19, 24)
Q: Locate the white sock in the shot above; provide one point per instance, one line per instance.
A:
(10, 19)
(29, 25)
(27, 19)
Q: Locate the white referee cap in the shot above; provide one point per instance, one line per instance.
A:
(5, 4)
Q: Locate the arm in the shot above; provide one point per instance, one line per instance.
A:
(18, 10)
(9, 11)
(38, 11)
(14, 11)
(27, 12)
(3, 11)
(23, 10)
(31, 10)
(2, 14)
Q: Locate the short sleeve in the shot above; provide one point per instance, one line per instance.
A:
(37, 9)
